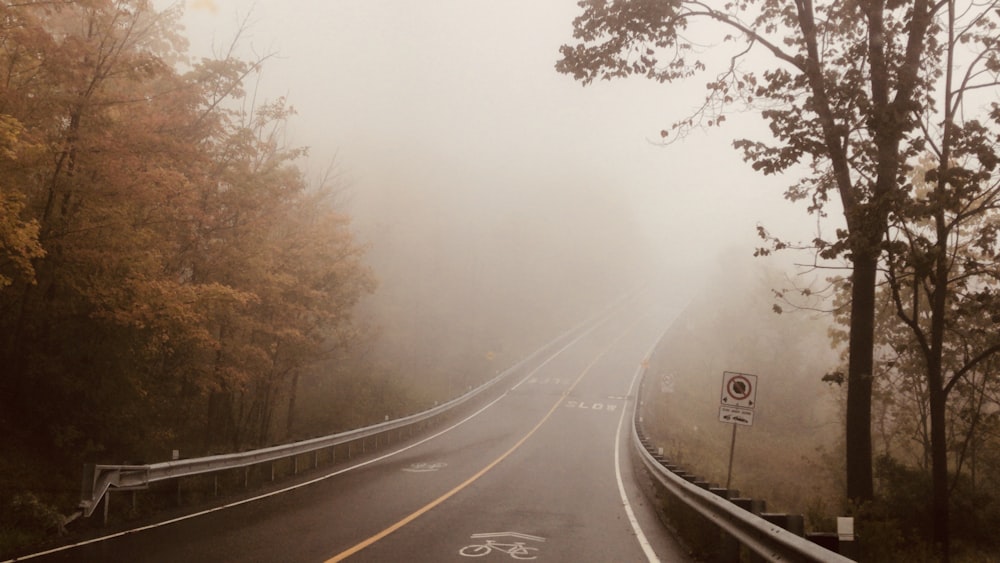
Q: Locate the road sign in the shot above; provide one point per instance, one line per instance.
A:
(739, 390)
(667, 383)
(739, 397)
(736, 415)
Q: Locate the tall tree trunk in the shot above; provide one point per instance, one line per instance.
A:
(293, 390)
(938, 394)
(939, 463)
(859, 378)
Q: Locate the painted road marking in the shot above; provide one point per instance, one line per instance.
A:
(517, 549)
(549, 381)
(647, 548)
(434, 503)
(320, 478)
(610, 407)
(518, 535)
(258, 497)
(424, 467)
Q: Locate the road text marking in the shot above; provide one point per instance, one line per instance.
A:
(516, 549)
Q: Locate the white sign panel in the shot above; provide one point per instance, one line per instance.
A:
(736, 415)
(739, 390)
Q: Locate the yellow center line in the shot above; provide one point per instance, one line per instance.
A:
(429, 506)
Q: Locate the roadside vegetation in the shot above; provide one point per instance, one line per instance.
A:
(170, 278)
(884, 117)
(792, 456)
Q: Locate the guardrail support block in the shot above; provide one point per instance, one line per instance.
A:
(724, 492)
(794, 523)
(752, 505)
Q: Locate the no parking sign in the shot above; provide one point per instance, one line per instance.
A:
(739, 397)
(739, 390)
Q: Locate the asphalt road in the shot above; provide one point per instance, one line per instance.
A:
(533, 475)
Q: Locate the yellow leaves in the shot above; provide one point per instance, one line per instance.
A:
(173, 239)
(18, 241)
(19, 244)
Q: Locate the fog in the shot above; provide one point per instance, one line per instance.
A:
(499, 198)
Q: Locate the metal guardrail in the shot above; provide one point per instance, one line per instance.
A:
(98, 480)
(769, 541)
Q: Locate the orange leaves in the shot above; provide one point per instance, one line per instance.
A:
(19, 244)
(176, 248)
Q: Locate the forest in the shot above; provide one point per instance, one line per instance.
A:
(883, 118)
(172, 278)
(167, 274)
(792, 456)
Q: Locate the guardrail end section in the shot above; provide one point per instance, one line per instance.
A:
(96, 480)
(87, 488)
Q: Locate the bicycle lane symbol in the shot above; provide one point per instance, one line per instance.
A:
(512, 547)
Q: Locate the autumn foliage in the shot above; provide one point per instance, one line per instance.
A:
(166, 273)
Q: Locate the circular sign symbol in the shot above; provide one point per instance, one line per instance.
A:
(739, 387)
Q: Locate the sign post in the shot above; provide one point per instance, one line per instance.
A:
(739, 397)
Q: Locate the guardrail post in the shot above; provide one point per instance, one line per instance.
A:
(754, 506)
(729, 547)
(107, 505)
(215, 485)
(827, 540)
(846, 544)
(246, 477)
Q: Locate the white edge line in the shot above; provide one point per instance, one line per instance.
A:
(647, 548)
(256, 498)
(311, 481)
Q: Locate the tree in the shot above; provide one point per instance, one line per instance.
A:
(95, 166)
(841, 85)
(943, 277)
(162, 253)
(19, 244)
(266, 234)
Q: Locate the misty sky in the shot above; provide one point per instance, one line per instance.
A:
(456, 102)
